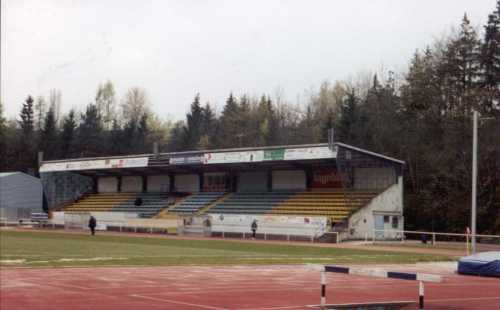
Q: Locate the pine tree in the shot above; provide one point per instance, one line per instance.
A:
(25, 150)
(142, 144)
(40, 108)
(208, 125)
(48, 136)
(462, 70)
(490, 62)
(348, 118)
(90, 133)
(229, 132)
(192, 131)
(67, 139)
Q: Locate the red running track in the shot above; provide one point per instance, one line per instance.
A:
(238, 287)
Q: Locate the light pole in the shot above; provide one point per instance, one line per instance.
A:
(474, 179)
(474, 183)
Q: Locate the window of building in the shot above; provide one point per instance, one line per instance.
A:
(387, 218)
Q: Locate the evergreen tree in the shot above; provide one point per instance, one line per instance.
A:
(142, 143)
(48, 136)
(208, 125)
(25, 150)
(175, 141)
(67, 140)
(462, 70)
(348, 119)
(40, 108)
(194, 119)
(90, 133)
(490, 63)
(229, 133)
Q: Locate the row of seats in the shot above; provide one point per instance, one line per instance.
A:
(99, 202)
(336, 205)
(250, 203)
(144, 204)
(197, 202)
(150, 204)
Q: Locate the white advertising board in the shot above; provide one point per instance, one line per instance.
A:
(271, 224)
(309, 153)
(95, 164)
(233, 157)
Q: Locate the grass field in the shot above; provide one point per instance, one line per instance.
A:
(21, 248)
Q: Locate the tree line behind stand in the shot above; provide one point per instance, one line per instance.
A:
(423, 116)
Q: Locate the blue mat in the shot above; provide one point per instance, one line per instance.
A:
(485, 264)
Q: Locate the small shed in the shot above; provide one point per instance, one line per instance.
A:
(20, 195)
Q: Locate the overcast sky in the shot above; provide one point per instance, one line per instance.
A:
(174, 49)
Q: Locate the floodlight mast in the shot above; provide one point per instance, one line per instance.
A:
(474, 183)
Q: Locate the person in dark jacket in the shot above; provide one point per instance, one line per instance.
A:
(254, 228)
(92, 224)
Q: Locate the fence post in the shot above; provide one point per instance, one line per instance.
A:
(265, 236)
(433, 239)
(373, 237)
(467, 244)
(323, 289)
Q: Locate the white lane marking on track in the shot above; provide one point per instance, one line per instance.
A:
(275, 308)
(177, 302)
(462, 299)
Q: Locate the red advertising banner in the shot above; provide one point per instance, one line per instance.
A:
(326, 178)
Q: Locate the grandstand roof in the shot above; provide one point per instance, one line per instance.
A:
(284, 156)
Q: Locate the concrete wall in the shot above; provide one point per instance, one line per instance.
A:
(132, 184)
(389, 202)
(252, 181)
(289, 179)
(62, 187)
(187, 183)
(158, 183)
(20, 194)
(107, 185)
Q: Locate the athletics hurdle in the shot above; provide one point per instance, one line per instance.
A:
(420, 277)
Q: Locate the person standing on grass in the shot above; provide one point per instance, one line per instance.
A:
(254, 228)
(92, 224)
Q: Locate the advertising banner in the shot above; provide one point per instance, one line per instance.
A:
(233, 157)
(309, 153)
(187, 160)
(95, 164)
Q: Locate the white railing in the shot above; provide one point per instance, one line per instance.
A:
(401, 235)
(268, 235)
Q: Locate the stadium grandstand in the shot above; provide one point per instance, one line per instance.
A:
(302, 190)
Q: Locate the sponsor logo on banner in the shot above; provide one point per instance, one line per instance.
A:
(278, 154)
(324, 178)
(187, 160)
